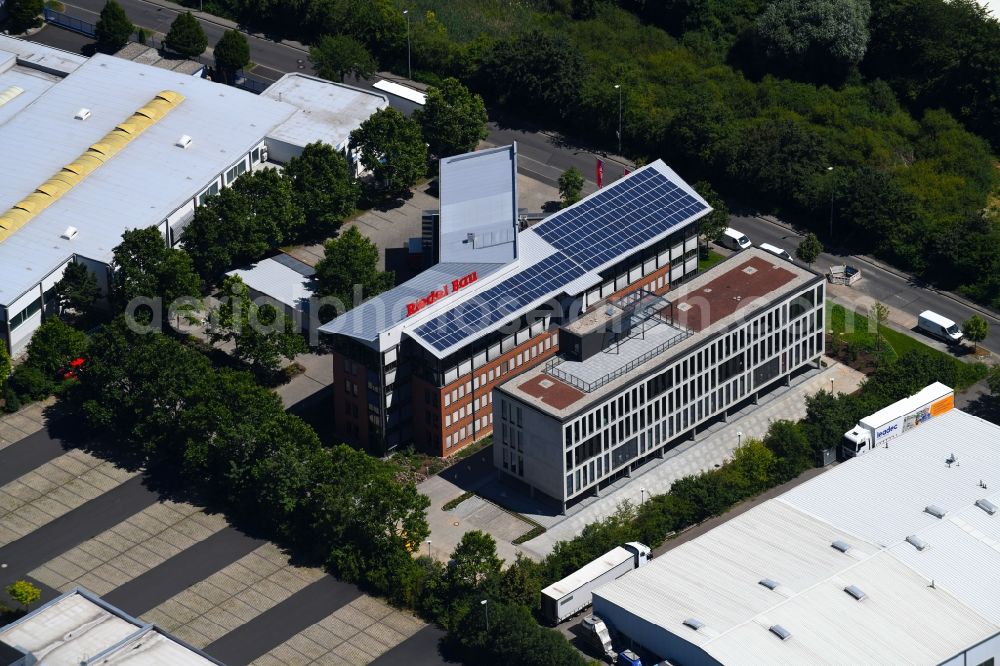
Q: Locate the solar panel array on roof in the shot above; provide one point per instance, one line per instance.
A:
(499, 302)
(618, 219)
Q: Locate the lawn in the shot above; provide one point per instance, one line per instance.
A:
(858, 333)
(706, 262)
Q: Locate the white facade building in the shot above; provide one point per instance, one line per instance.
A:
(641, 373)
(854, 566)
(61, 114)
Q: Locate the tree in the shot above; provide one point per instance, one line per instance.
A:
(539, 71)
(232, 53)
(24, 593)
(5, 367)
(77, 289)
(815, 33)
(809, 249)
(570, 186)
(474, 561)
(23, 14)
(186, 36)
(243, 223)
(113, 28)
(975, 329)
(53, 345)
(712, 225)
(792, 450)
(453, 119)
(879, 313)
(335, 56)
(261, 335)
(392, 148)
(350, 262)
(323, 186)
(993, 381)
(144, 267)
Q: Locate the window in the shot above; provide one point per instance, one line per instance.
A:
(24, 314)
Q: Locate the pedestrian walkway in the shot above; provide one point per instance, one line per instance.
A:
(53, 490)
(708, 451)
(131, 548)
(26, 421)
(356, 633)
(228, 598)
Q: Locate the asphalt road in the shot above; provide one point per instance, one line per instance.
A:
(899, 293)
(27, 454)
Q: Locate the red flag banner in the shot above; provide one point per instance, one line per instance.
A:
(625, 172)
(600, 173)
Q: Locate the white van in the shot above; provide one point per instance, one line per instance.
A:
(775, 250)
(734, 240)
(940, 327)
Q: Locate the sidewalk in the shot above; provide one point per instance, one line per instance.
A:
(707, 452)
(26, 421)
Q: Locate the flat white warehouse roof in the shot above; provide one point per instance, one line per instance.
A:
(78, 627)
(140, 186)
(327, 111)
(871, 504)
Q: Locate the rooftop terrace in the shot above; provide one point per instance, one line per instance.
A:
(696, 311)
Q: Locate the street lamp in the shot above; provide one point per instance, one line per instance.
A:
(409, 70)
(830, 170)
(618, 87)
(485, 604)
(642, 495)
(739, 438)
(831, 385)
(428, 542)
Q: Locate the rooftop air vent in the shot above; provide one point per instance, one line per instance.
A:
(855, 592)
(82, 114)
(935, 510)
(768, 583)
(780, 632)
(916, 542)
(70, 233)
(842, 546)
(694, 623)
(184, 141)
(987, 506)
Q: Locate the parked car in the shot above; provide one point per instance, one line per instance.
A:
(939, 326)
(776, 251)
(734, 240)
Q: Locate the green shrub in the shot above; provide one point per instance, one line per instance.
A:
(30, 383)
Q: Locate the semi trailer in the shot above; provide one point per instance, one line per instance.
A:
(876, 430)
(569, 596)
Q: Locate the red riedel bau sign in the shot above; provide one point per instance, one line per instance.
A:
(421, 303)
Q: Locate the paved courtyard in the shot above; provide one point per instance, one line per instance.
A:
(26, 421)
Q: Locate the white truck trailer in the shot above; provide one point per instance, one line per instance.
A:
(573, 593)
(875, 430)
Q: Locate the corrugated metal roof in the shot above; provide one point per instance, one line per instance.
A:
(388, 309)
(901, 620)
(327, 111)
(874, 503)
(139, 187)
(277, 280)
(532, 250)
(479, 198)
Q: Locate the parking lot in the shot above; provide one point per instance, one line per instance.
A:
(74, 519)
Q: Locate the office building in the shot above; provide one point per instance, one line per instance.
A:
(638, 373)
(419, 363)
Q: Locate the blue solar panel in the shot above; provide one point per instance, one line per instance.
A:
(619, 219)
(500, 302)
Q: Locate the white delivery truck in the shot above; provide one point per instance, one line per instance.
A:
(875, 430)
(734, 240)
(573, 593)
(940, 327)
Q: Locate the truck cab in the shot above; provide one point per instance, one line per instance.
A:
(640, 552)
(856, 442)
